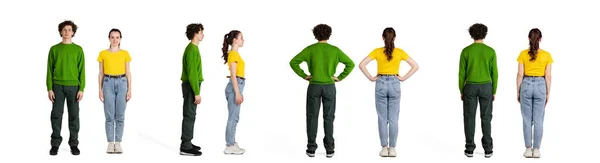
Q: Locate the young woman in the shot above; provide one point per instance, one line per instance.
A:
(533, 88)
(235, 87)
(114, 80)
(387, 88)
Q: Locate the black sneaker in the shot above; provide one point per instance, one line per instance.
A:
(54, 150)
(75, 151)
(329, 154)
(196, 147)
(190, 152)
(489, 154)
(310, 153)
(468, 153)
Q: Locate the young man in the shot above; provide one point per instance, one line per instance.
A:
(322, 59)
(477, 81)
(191, 78)
(65, 79)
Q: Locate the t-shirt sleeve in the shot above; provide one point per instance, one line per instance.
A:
(373, 54)
(550, 60)
(100, 59)
(127, 57)
(404, 55)
(521, 58)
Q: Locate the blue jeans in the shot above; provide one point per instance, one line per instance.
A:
(234, 110)
(533, 101)
(387, 96)
(115, 94)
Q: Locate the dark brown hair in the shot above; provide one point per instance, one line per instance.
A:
(534, 43)
(322, 32)
(388, 37)
(192, 29)
(67, 23)
(228, 40)
(478, 31)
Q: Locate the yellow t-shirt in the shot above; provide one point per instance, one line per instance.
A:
(114, 62)
(388, 67)
(235, 57)
(538, 66)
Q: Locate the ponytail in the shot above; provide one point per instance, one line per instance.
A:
(534, 43)
(228, 40)
(388, 37)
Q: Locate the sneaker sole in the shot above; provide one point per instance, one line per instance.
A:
(233, 153)
(310, 155)
(188, 154)
(328, 156)
(469, 155)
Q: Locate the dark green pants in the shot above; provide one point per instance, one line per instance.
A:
(62, 93)
(315, 95)
(189, 116)
(472, 94)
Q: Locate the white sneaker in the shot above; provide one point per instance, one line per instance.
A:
(392, 152)
(536, 153)
(238, 146)
(528, 153)
(233, 150)
(384, 152)
(118, 149)
(111, 148)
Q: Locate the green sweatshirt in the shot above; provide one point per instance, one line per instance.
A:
(322, 60)
(192, 67)
(478, 66)
(66, 66)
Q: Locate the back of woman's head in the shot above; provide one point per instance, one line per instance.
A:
(534, 43)
(389, 35)
(228, 40)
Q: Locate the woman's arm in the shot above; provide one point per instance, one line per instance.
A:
(364, 70)
(413, 68)
(548, 75)
(128, 74)
(100, 78)
(520, 73)
(232, 72)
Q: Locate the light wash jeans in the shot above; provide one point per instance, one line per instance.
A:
(533, 100)
(115, 94)
(234, 110)
(387, 96)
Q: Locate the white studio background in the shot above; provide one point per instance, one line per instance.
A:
(272, 121)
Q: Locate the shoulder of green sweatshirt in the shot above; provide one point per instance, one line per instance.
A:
(66, 66)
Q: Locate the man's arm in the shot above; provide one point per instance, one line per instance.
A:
(296, 61)
(81, 67)
(349, 65)
(190, 59)
(50, 71)
(462, 68)
(494, 70)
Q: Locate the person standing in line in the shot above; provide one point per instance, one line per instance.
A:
(65, 80)
(387, 88)
(191, 77)
(114, 80)
(534, 78)
(477, 82)
(322, 59)
(234, 89)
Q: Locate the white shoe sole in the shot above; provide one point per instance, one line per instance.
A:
(187, 154)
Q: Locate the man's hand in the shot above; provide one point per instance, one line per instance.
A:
(308, 78)
(79, 96)
(51, 96)
(197, 99)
